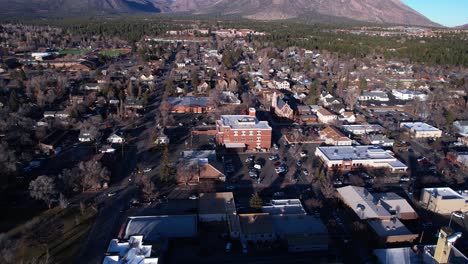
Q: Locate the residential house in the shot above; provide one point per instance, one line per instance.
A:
(281, 108)
(346, 158)
(374, 96)
(162, 138)
(189, 104)
(461, 127)
(243, 132)
(326, 117)
(229, 98)
(348, 117)
(115, 138)
(306, 115)
(421, 130)
(444, 200)
(326, 99)
(379, 140)
(332, 136)
(85, 136)
(282, 84)
(203, 87)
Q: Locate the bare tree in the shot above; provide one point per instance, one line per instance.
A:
(92, 174)
(43, 188)
(185, 173)
(146, 185)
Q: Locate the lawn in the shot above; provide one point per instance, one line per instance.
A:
(55, 235)
(113, 52)
(73, 52)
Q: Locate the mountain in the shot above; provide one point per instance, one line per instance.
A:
(374, 11)
(465, 27)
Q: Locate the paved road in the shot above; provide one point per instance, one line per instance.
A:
(113, 210)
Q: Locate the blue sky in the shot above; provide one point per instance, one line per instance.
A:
(445, 12)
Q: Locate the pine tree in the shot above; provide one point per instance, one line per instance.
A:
(165, 167)
(256, 201)
(13, 102)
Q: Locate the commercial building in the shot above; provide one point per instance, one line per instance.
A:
(214, 207)
(244, 132)
(189, 104)
(421, 130)
(348, 158)
(444, 200)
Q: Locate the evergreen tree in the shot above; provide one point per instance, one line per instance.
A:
(165, 167)
(13, 102)
(256, 201)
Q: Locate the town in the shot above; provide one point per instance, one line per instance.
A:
(207, 143)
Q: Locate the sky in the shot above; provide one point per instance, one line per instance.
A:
(448, 13)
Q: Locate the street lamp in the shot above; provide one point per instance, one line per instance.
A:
(458, 214)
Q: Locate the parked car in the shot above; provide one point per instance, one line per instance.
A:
(274, 157)
(305, 172)
(193, 197)
(258, 166)
(250, 159)
(303, 154)
(147, 169)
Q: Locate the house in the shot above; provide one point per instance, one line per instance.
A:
(282, 85)
(180, 64)
(346, 158)
(462, 127)
(85, 136)
(379, 140)
(326, 117)
(363, 129)
(92, 87)
(147, 78)
(203, 165)
(189, 104)
(243, 132)
(407, 95)
(374, 96)
(214, 207)
(129, 251)
(203, 87)
(444, 200)
(162, 138)
(332, 136)
(229, 98)
(281, 108)
(115, 139)
(421, 130)
(348, 117)
(326, 99)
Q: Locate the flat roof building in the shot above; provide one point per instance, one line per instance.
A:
(243, 132)
(214, 207)
(354, 157)
(284, 207)
(421, 130)
(154, 228)
(363, 129)
(131, 251)
(444, 200)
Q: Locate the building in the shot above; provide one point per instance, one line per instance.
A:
(407, 95)
(349, 117)
(382, 212)
(215, 207)
(202, 165)
(379, 140)
(256, 228)
(189, 104)
(244, 132)
(326, 117)
(129, 251)
(458, 158)
(282, 85)
(156, 228)
(332, 136)
(347, 158)
(115, 139)
(421, 130)
(462, 127)
(444, 200)
(374, 96)
(363, 129)
(284, 207)
(281, 107)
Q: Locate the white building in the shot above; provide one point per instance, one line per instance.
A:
(374, 96)
(407, 95)
(421, 130)
(462, 127)
(283, 84)
(325, 116)
(131, 252)
(115, 139)
(354, 157)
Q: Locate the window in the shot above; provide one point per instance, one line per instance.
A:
(259, 133)
(259, 138)
(243, 133)
(250, 133)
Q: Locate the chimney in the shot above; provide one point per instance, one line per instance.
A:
(252, 112)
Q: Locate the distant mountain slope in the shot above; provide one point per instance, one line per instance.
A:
(462, 27)
(374, 11)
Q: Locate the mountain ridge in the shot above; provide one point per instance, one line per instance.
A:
(373, 11)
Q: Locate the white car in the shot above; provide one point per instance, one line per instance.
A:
(193, 197)
(258, 166)
(303, 154)
(147, 170)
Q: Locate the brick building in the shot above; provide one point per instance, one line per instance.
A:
(243, 132)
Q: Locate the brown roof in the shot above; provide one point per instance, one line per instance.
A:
(256, 223)
(333, 133)
(324, 111)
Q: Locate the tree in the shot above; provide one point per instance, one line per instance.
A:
(92, 174)
(43, 188)
(165, 167)
(362, 84)
(256, 201)
(13, 101)
(195, 81)
(449, 118)
(146, 186)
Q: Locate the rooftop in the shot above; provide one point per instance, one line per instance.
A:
(244, 122)
(284, 207)
(131, 251)
(366, 128)
(386, 228)
(447, 193)
(216, 203)
(356, 153)
(192, 101)
(394, 203)
(256, 223)
(418, 126)
(154, 228)
(298, 225)
(364, 204)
